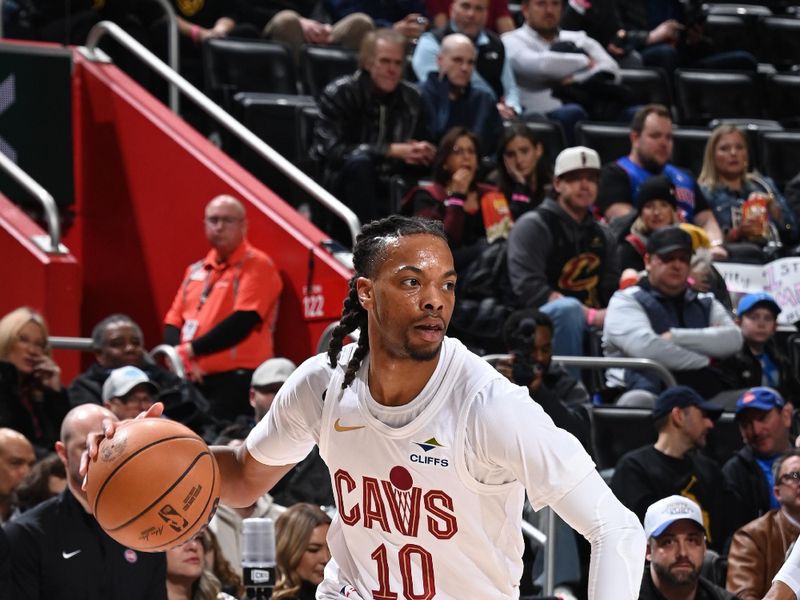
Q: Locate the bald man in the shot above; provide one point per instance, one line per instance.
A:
(59, 551)
(16, 459)
(222, 317)
(451, 98)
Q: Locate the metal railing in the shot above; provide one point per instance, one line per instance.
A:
(258, 145)
(85, 344)
(604, 362)
(172, 45)
(52, 242)
(172, 357)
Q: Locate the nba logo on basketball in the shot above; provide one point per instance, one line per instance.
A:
(394, 504)
(172, 518)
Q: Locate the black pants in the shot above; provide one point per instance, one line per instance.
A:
(228, 393)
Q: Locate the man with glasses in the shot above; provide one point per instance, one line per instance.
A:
(663, 319)
(676, 549)
(222, 317)
(764, 419)
(758, 549)
(128, 391)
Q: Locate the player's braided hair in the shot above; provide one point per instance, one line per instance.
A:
(369, 254)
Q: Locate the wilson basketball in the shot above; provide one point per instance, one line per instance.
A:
(154, 485)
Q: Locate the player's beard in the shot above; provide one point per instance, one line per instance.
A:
(679, 579)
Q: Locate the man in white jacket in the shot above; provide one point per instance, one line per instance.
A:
(539, 62)
(663, 319)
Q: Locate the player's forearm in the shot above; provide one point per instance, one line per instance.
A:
(616, 536)
(786, 583)
(244, 479)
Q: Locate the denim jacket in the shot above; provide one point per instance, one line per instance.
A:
(725, 202)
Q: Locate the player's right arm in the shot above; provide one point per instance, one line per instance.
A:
(244, 479)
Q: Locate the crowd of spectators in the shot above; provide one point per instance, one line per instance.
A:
(611, 259)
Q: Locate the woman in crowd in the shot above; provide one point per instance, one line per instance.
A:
(187, 575)
(301, 550)
(656, 210)
(727, 185)
(32, 399)
(455, 196)
(523, 174)
(219, 566)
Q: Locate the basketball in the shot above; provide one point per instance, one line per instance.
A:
(154, 485)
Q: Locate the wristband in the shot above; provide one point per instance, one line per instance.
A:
(590, 316)
(517, 197)
(455, 199)
(194, 33)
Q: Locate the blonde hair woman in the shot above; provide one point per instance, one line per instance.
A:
(302, 551)
(32, 399)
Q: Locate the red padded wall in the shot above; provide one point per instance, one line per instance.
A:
(49, 283)
(142, 180)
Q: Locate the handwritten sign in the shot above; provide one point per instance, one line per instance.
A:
(781, 278)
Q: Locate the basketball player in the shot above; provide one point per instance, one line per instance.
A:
(430, 449)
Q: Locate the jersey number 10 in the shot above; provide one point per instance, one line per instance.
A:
(404, 557)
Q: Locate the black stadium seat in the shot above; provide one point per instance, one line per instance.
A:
(783, 98)
(648, 85)
(731, 32)
(549, 133)
(273, 118)
(779, 41)
(688, 147)
(232, 65)
(703, 95)
(611, 140)
(319, 65)
(617, 430)
(779, 153)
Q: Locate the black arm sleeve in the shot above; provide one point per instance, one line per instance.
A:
(172, 335)
(228, 332)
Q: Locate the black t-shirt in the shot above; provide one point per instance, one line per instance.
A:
(646, 475)
(615, 186)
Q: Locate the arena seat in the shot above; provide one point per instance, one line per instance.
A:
(779, 155)
(688, 146)
(306, 118)
(783, 98)
(273, 118)
(617, 430)
(779, 41)
(732, 31)
(649, 85)
(753, 11)
(703, 95)
(611, 140)
(319, 65)
(551, 134)
(236, 65)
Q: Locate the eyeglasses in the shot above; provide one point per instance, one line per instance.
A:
(225, 221)
(793, 477)
(464, 151)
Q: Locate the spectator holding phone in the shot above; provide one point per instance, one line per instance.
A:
(32, 399)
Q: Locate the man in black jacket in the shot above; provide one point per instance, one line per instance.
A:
(371, 127)
(117, 342)
(674, 465)
(58, 549)
(764, 419)
(676, 549)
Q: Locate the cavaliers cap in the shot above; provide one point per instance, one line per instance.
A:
(576, 158)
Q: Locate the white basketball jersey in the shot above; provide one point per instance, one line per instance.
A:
(412, 523)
